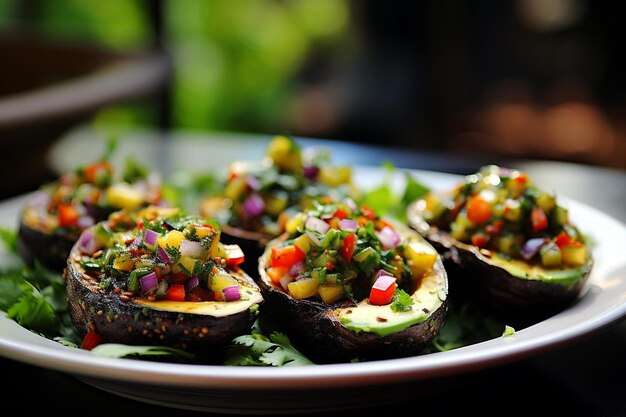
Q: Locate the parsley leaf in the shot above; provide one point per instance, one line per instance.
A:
(401, 301)
(34, 312)
(259, 350)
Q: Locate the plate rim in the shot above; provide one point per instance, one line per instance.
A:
(482, 355)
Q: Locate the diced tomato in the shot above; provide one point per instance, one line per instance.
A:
(276, 273)
(140, 225)
(347, 247)
(522, 178)
(176, 292)
(495, 228)
(383, 290)
(539, 220)
(91, 340)
(480, 240)
(67, 215)
(286, 256)
(330, 266)
(478, 210)
(368, 212)
(340, 214)
(95, 170)
(563, 239)
(234, 255)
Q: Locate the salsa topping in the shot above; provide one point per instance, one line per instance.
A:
(257, 196)
(502, 211)
(338, 251)
(161, 254)
(81, 198)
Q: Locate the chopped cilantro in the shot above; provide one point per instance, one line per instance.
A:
(173, 253)
(260, 350)
(401, 301)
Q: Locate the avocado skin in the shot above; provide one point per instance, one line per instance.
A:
(49, 249)
(251, 243)
(317, 332)
(123, 321)
(509, 296)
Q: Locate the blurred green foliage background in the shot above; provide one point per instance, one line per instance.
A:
(236, 61)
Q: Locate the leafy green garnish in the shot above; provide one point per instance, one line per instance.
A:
(383, 200)
(114, 350)
(9, 238)
(259, 350)
(133, 171)
(173, 253)
(33, 311)
(401, 301)
(508, 331)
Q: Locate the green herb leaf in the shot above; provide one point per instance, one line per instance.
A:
(10, 289)
(9, 238)
(508, 331)
(133, 171)
(259, 350)
(401, 301)
(114, 350)
(414, 190)
(34, 312)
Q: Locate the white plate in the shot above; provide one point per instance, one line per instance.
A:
(316, 388)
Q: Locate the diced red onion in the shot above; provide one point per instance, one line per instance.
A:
(388, 237)
(191, 248)
(326, 216)
(318, 225)
(531, 247)
(382, 273)
(148, 282)
(88, 244)
(285, 280)
(39, 199)
(232, 293)
(296, 268)
(253, 182)
(383, 280)
(253, 206)
(141, 186)
(163, 256)
(150, 237)
(311, 172)
(348, 225)
(136, 242)
(85, 222)
(313, 238)
(192, 283)
(350, 204)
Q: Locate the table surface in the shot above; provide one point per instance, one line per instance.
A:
(587, 378)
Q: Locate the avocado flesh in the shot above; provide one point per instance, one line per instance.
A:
(524, 270)
(250, 297)
(383, 321)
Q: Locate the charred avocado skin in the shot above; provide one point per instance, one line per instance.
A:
(49, 249)
(512, 288)
(319, 330)
(186, 325)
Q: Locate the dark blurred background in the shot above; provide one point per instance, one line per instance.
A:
(540, 79)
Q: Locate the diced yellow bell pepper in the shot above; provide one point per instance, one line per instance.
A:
(124, 262)
(171, 239)
(574, 255)
(285, 154)
(303, 288)
(303, 242)
(334, 176)
(123, 196)
(187, 262)
(420, 258)
(292, 225)
(235, 188)
(330, 293)
(222, 280)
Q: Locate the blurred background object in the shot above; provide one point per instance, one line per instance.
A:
(535, 79)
